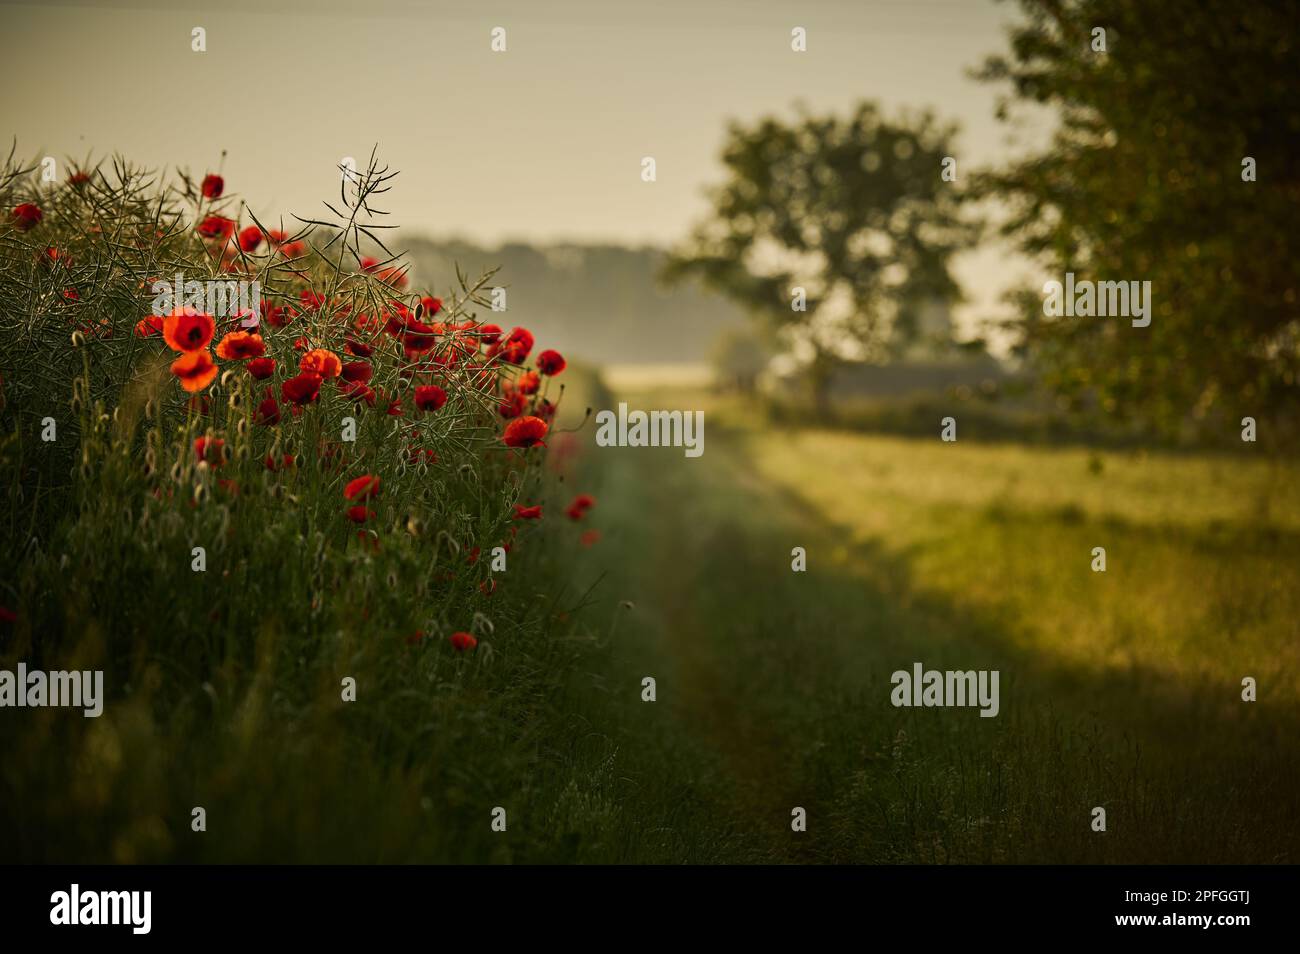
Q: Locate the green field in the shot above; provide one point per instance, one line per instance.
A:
(1119, 689)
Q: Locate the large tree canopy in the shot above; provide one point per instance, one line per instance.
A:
(1144, 182)
(855, 212)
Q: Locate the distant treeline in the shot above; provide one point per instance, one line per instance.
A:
(599, 303)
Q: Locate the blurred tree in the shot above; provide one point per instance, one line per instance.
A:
(1144, 181)
(854, 211)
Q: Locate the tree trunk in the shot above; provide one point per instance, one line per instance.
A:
(819, 381)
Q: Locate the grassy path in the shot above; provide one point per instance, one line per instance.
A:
(773, 686)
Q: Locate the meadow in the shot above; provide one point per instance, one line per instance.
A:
(1120, 689)
(364, 587)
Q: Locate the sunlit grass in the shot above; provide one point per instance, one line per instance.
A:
(1199, 550)
(1119, 690)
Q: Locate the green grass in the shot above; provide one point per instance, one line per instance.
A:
(224, 687)
(1119, 690)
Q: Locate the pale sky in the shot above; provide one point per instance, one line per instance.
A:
(541, 142)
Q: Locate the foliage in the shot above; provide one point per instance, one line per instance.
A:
(228, 553)
(1143, 181)
(854, 210)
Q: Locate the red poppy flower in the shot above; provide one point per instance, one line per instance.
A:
(261, 368)
(149, 326)
(516, 347)
(528, 382)
(302, 389)
(490, 334)
(462, 642)
(277, 316)
(293, 249)
(358, 372)
(430, 397)
(431, 305)
(216, 226)
(357, 391)
(213, 186)
(78, 178)
(250, 238)
(512, 404)
(240, 344)
(419, 338)
(528, 513)
(481, 377)
(7, 615)
(394, 276)
(453, 354)
(188, 330)
(195, 370)
(545, 410)
(366, 325)
(551, 362)
(27, 216)
(268, 412)
(360, 514)
(589, 537)
(581, 504)
(311, 301)
(525, 432)
(210, 449)
(365, 487)
(322, 362)
(395, 321)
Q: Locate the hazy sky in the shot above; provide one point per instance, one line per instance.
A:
(543, 141)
